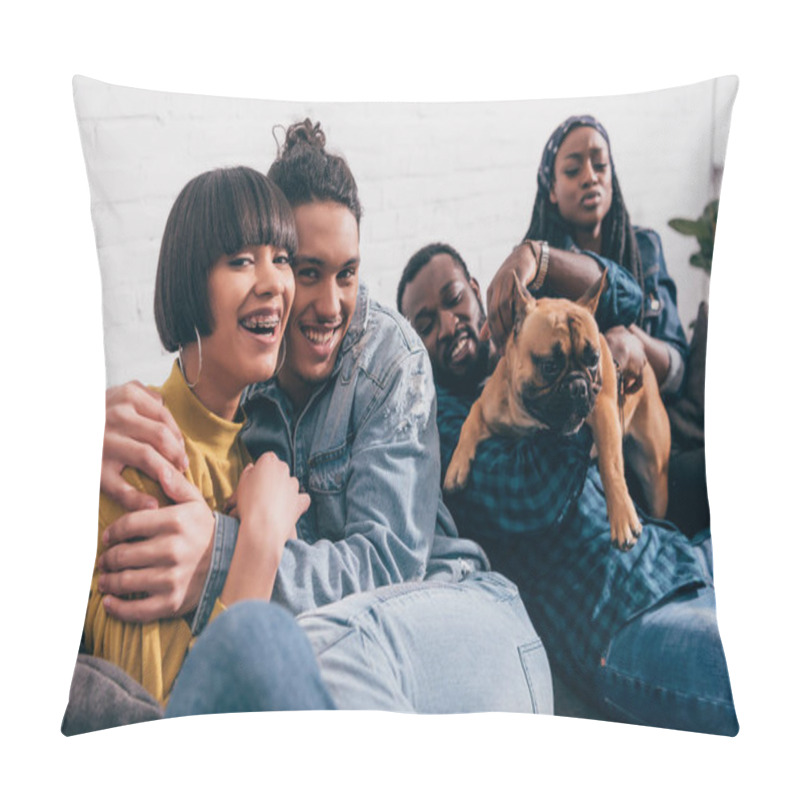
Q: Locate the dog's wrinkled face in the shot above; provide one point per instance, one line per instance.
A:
(554, 358)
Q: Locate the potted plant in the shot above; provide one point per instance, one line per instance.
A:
(703, 229)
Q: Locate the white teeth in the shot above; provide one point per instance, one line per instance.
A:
(459, 345)
(261, 322)
(318, 337)
(263, 319)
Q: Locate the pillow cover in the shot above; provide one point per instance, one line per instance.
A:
(103, 696)
(460, 173)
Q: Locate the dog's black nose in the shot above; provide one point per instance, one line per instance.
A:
(578, 389)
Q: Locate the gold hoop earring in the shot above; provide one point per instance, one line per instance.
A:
(281, 356)
(199, 356)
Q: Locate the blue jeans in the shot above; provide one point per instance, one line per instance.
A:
(432, 647)
(667, 667)
(253, 657)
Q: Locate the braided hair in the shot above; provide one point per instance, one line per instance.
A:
(618, 238)
(306, 172)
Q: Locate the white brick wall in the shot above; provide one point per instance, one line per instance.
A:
(463, 173)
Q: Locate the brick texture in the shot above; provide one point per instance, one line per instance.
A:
(463, 173)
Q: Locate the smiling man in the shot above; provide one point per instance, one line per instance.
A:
(327, 271)
(447, 314)
(634, 633)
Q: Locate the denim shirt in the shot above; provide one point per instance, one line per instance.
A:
(366, 449)
(658, 304)
(661, 318)
(621, 299)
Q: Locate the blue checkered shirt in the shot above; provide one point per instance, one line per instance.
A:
(537, 507)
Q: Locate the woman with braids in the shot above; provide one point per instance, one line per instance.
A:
(579, 226)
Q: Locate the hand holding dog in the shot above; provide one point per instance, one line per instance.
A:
(500, 294)
(629, 355)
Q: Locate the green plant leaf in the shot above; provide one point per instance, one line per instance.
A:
(711, 210)
(703, 229)
(688, 227)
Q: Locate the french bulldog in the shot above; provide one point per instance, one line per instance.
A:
(557, 373)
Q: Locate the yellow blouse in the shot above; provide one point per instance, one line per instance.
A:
(152, 653)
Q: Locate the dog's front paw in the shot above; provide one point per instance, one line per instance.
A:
(457, 473)
(626, 527)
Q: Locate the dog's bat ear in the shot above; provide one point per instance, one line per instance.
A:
(519, 302)
(591, 298)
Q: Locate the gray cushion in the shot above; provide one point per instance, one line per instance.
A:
(103, 696)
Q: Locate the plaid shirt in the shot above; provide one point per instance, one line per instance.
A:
(537, 507)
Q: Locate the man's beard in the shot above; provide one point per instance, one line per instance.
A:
(468, 381)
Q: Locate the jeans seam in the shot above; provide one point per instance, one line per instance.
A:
(617, 675)
(523, 651)
(501, 591)
(338, 640)
(413, 593)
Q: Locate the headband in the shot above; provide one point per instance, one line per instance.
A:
(545, 175)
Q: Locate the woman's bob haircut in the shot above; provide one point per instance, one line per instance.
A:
(217, 213)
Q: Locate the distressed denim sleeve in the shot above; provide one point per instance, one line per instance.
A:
(391, 496)
(226, 530)
(517, 487)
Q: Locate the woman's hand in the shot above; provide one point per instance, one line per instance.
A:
(139, 433)
(501, 291)
(629, 355)
(268, 502)
(657, 352)
(569, 275)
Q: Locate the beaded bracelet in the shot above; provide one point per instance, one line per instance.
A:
(543, 262)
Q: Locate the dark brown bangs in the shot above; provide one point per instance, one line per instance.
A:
(246, 208)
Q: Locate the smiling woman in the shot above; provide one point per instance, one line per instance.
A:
(224, 290)
(250, 292)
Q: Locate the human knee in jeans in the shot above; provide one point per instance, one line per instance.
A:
(254, 657)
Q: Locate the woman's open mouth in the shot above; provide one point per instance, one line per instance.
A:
(264, 324)
(591, 200)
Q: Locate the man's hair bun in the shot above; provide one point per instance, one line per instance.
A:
(304, 134)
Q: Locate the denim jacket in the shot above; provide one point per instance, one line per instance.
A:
(366, 448)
